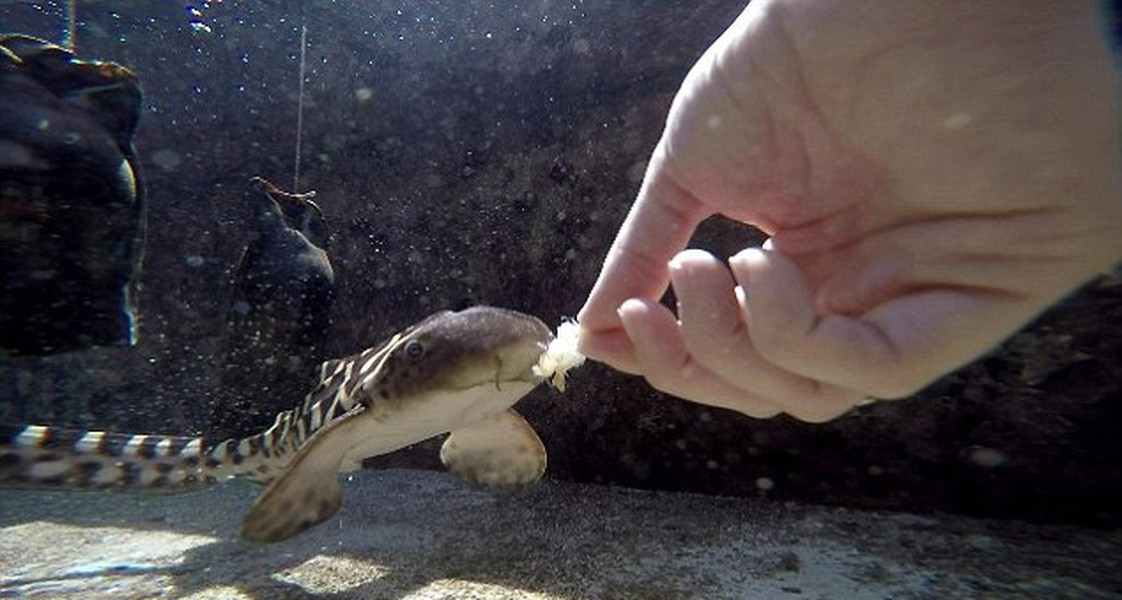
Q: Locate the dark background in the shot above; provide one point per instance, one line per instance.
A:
(485, 153)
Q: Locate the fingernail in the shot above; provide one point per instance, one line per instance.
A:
(678, 271)
(678, 263)
(630, 307)
(744, 261)
(630, 316)
(674, 264)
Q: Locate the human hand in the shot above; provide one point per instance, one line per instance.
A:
(932, 175)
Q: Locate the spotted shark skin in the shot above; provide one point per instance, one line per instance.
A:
(44, 457)
(451, 372)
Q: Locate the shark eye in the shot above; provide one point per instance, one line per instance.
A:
(414, 349)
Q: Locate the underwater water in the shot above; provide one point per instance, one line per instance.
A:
(245, 190)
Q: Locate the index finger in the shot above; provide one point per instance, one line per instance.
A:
(659, 225)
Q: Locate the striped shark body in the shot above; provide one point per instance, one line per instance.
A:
(44, 457)
(457, 372)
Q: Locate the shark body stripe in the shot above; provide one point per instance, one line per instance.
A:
(458, 373)
(37, 456)
(48, 457)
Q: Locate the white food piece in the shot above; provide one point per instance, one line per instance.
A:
(561, 355)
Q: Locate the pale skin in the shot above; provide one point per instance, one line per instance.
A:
(931, 175)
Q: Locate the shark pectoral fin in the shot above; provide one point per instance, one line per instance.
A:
(501, 452)
(308, 491)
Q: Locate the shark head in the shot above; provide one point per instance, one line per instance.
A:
(451, 351)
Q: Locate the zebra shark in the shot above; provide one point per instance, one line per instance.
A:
(458, 372)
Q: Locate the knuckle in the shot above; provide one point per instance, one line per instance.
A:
(764, 413)
(898, 384)
(823, 406)
(661, 383)
(754, 407)
(818, 414)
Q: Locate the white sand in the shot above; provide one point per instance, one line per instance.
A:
(414, 535)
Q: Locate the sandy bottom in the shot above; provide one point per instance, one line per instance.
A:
(422, 535)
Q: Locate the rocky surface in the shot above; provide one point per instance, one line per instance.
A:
(421, 535)
(466, 154)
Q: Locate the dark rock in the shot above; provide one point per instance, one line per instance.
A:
(71, 201)
(279, 316)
